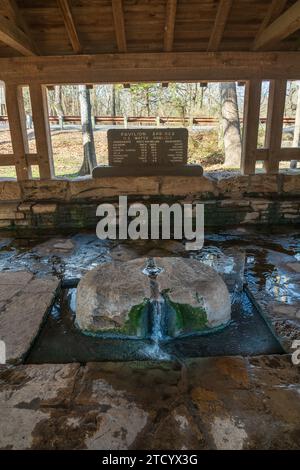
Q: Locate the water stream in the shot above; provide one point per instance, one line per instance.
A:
(157, 310)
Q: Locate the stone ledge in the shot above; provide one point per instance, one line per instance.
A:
(219, 184)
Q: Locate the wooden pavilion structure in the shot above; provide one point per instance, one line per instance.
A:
(44, 43)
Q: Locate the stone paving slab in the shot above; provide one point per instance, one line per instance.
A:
(212, 403)
(24, 303)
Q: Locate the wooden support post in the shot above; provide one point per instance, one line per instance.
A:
(250, 128)
(18, 131)
(274, 123)
(42, 132)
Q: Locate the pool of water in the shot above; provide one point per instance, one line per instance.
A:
(61, 342)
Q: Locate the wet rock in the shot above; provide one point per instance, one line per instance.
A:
(208, 403)
(27, 394)
(106, 295)
(229, 263)
(24, 302)
(55, 246)
(294, 266)
(123, 253)
(189, 282)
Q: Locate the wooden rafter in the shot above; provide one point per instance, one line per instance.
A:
(119, 24)
(219, 25)
(13, 13)
(70, 25)
(281, 28)
(275, 9)
(14, 37)
(171, 7)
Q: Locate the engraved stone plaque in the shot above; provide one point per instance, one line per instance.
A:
(147, 147)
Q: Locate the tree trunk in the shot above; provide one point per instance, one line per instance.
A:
(293, 164)
(89, 159)
(58, 105)
(231, 125)
(113, 102)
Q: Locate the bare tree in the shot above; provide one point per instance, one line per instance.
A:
(296, 138)
(58, 104)
(89, 159)
(231, 125)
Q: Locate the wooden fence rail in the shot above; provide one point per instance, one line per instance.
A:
(106, 120)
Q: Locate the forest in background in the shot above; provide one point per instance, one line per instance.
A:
(219, 146)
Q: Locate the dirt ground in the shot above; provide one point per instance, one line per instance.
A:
(204, 149)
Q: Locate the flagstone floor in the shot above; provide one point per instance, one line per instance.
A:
(202, 403)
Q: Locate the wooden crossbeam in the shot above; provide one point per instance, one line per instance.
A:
(219, 25)
(119, 24)
(171, 7)
(14, 37)
(153, 67)
(70, 25)
(281, 28)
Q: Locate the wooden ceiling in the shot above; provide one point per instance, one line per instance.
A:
(64, 27)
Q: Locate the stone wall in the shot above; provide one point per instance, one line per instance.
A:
(229, 199)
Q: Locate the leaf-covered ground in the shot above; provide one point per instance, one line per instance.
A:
(205, 148)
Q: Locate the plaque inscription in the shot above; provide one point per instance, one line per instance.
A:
(147, 147)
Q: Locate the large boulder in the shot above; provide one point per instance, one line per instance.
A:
(108, 293)
(191, 283)
(114, 296)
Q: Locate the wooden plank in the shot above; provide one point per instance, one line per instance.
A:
(39, 107)
(281, 28)
(288, 154)
(275, 9)
(276, 103)
(161, 67)
(17, 125)
(119, 24)
(70, 25)
(14, 14)
(219, 25)
(7, 160)
(171, 7)
(14, 37)
(250, 128)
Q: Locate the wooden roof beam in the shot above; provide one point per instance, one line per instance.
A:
(70, 25)
(281, 28)
(13, 13)
(171, 8)
(14, 37)
(275, 9)
(119, 24)
(219, 24)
